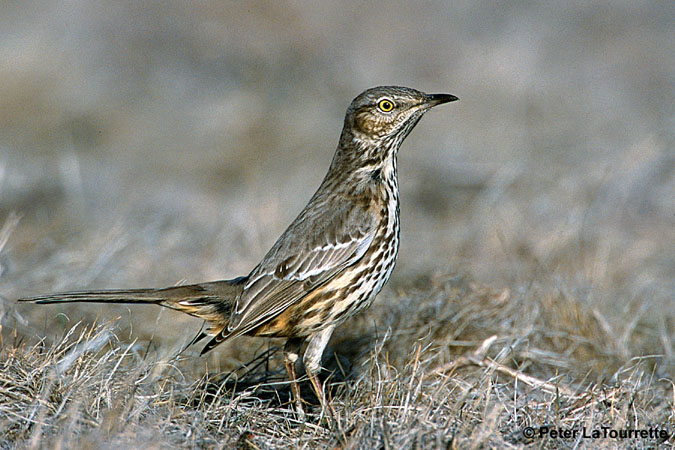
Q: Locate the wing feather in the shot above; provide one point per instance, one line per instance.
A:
(313, 250)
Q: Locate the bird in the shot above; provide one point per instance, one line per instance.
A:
(331, 261)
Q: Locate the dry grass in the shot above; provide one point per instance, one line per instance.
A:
(149, 144)
(451, 365)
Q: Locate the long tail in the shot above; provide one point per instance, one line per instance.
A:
(211, 301)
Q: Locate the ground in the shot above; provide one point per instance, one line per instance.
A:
(148, 146)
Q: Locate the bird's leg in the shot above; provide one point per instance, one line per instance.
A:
(291, 354)
(312, 361)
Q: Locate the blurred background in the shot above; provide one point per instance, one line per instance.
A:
(155, 143)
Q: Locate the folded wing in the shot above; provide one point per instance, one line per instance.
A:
(313, 250)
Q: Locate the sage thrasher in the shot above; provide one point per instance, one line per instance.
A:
(330, 262)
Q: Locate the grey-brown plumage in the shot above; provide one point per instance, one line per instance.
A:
(333, 258)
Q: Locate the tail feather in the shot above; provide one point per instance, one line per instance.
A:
(218, 338)
(105, 296)
(211, 301)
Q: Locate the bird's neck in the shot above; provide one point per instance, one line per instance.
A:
(365, 165)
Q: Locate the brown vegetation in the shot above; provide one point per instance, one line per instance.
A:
(150, 144)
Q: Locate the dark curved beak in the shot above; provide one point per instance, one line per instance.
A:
(437, 99)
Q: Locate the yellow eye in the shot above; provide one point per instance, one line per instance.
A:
(385, 105)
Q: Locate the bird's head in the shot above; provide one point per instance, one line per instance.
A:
(385, 115)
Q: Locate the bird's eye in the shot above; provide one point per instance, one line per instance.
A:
(385, 105)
